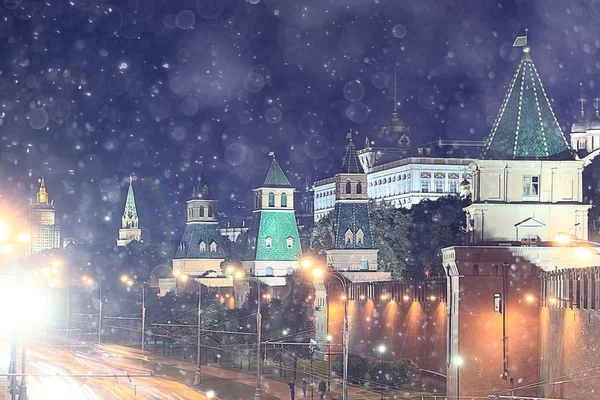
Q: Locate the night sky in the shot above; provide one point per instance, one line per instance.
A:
(91, 92)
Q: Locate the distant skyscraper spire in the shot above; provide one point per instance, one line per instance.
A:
(42, 195)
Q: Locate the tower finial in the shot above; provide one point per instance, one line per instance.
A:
(582, 101)
(521, 41)
(349, 135)
(272, 154)
(130, 179)
(395, 89)
(597, 100)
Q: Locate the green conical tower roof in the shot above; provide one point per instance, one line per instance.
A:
(202, 190)
(275, 176)
(130, 210)
(526, 127)
(350, 163)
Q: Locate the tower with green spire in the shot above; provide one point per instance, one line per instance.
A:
(273, 247)
(130, 224)
(202, 247)
(527, 184)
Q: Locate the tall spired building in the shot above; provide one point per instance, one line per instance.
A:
(130, 224)
(43, 228)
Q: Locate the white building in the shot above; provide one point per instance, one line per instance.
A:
(43, 228)
(404, 176)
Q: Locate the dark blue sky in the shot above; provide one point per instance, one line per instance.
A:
(91, 92)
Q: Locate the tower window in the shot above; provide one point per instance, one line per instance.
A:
(359, 236)
(348, 187)
(495, 270)
(475, 269)
(213, 247)
(348, 237)
(358, 187)
(268, 242)
(271, 199)
(210, 211)
(290, 242)
(269, 271)
(202, 247)
(364, 265)
(283, 200)
(202, 211)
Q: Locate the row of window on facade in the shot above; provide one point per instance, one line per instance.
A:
(202, 248)
(200, 212)
(269, 271)
(271, 200)
(496, 270)
(289, 242)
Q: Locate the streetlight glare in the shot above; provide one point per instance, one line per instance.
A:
(329, 338)
(306, 263)
(318, 272)
(458, 361)
(381, 348)
(56, 263)
(530, 298)
(564, 238)
(230, 269)
(4, 231)
(239, 274)
(6, 248)
(124, 278)
(183, 278)
(23, 237)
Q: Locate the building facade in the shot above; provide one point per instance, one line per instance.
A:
(130, 223)
(273, 248)
(43, 227)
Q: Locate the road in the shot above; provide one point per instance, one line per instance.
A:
(56, 362)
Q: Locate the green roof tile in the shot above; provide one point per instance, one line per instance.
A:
(526, 127)
(275, 176)
(279, 226)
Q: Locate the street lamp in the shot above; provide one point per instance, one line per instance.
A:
(185, 278)
(239, 275)
(318, 272)
(329, 339)
(458, 361)
(381, 349)
(130, 282)
(90, 281)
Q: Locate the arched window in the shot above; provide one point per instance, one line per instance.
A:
(202, 211)
(475, 269)
(290, 242)
(213, 247)
(202, 247)
(271, 199)
(269, 271)
(348, 187)
(210, 211)
(364, 265)
(268, 242)
(358, 187)
(359, 236)
(283, 200)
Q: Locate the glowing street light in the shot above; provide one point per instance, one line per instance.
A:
(458, 362)
(130, 282)
(89, 281)
(381, 349)
(317, 272)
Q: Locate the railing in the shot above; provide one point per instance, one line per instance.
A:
(429, 290)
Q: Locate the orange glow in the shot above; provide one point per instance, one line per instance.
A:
(317, 272)
(406, 297)
(124, 278)
(23, 237)
(306, 263)
(530, 298)
(432, 298)
(553, 300)
(239, 274)
(343, 297)
(362, 296)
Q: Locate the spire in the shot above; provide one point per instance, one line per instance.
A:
(42, 195)
(350, 163)
(526, 127)
(582, 101)
(596, 106)
(275, 176)
(202, 188)
(130, 210)
(395, 89)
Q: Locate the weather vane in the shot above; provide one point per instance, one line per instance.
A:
(521, 41)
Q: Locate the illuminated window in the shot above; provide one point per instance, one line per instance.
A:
(202, 247)
(269, 271)
(290, 242)
(531, 186)
(497, 303)
(283, 200)
(364, 265)
(268, 242)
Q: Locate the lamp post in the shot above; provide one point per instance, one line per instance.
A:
(458, 361)
(318, 272)
(381, 349)
(130, 282)
(329, 339)
(185, 278)
(240, 274)
(89, 281)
